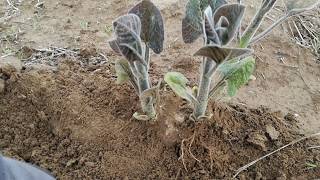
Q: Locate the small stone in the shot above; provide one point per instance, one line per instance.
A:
(22, 96)
(253, 78)
(41, 67)
(89, 164)
(2, 86)
(290, 117)
(42, 116)
(282, 176)
(82, 161)
(259, 176)
(258, 139)
(242, 177)
(70, 151)
(88, 52)
(26, 52)
(9, 65)
(71, 162)
(272, 132)
(31, 126)
(35, 153)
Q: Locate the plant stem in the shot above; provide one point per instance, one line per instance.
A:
(144, 84)
(147, 56)
(251, 30)
(204, 89)
(278, 22)
(264, 33)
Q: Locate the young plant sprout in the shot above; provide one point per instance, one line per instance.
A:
(135, 34)
(223, 67)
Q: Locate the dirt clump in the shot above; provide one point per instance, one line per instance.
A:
(78, 124)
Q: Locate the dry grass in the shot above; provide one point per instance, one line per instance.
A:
(305, 30)
(11, 9)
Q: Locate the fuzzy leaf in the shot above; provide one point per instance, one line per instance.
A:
(301, 5)
(228, 17)
(122, 75)
(178, 83)
(238, 73)
(152, 32)
(219, 54)
(209, 30)
(151, 93)
(192, 22)
(214, 4)
(127, 30)
(115, 46)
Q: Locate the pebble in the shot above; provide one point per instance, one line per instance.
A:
(2, 86)
(258, 139)
(71, 162)
(10, 64)
(89, 164)
(272, 132)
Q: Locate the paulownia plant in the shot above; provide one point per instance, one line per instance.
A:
(135, 34)
(223, 67)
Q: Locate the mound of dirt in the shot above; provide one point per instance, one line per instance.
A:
(76, 122)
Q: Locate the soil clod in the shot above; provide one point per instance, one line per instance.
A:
(273, 134)
(258, 139)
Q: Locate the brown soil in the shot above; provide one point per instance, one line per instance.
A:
(69, 116)
(77, 123)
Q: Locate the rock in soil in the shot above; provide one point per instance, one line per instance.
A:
(2, 86)
(258, 139)
(272, 132)
(10, 65)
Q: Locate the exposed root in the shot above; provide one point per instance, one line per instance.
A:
(211, 159)
(182, 154)
(190, 141)
(313, 147)
(178, 174)
(190, 146)
(210, 155)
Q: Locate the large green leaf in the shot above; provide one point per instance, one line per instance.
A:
(152, 32)
(219, 54)
(237, 73)
(178, 83)
(127, 29)
(192, 22)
